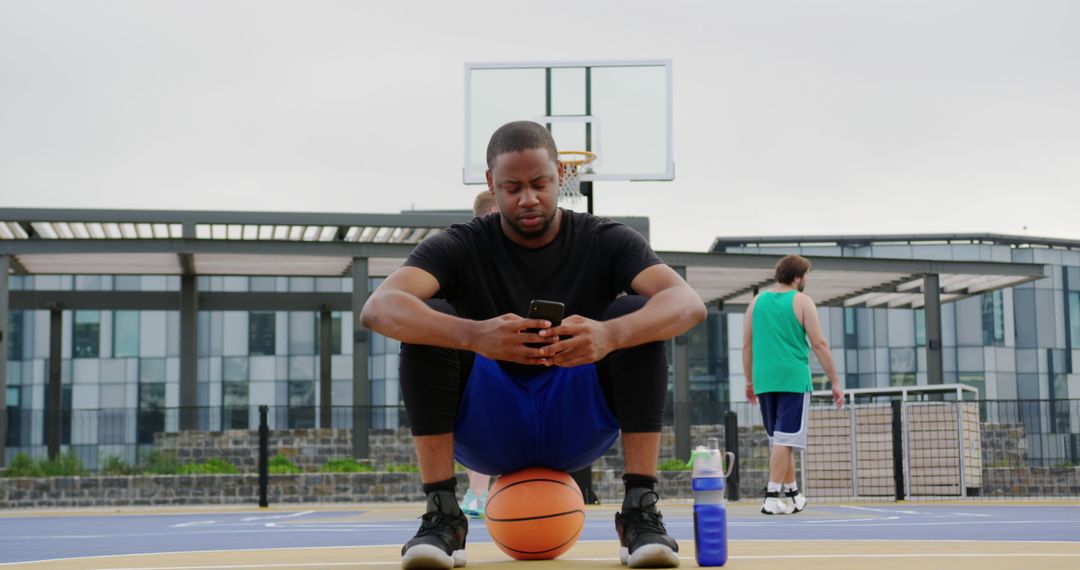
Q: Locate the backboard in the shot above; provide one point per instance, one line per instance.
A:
(620, 110)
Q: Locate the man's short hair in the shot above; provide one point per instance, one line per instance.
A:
(483, 204)
(519, 136)
(791, 266)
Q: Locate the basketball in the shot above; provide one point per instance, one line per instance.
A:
(535, 513)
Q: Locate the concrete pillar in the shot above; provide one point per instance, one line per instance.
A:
(5, 320)
(361, 418)
(189, 352)
(53, 393)
(935, 373)
(681, 363)
(326, 344)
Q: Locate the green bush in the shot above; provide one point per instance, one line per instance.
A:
(156, 463)
(402, 468)
(279, 464)
(22, 466)
(63, 466)
(673, 465)
(213, 466)
(345, 465)
(115, 466)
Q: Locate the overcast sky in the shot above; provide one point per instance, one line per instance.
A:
(800, 117)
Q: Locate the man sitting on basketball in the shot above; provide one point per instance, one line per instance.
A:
(487, 386)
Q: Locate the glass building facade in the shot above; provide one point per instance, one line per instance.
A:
(1018, 343)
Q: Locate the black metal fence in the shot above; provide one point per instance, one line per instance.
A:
(985, 448)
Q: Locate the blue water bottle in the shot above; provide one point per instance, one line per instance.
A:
(710, 514)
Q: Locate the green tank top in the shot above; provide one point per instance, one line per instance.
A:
(781, 352)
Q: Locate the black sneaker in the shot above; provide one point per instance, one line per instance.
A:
(440, 542)
(643, 540)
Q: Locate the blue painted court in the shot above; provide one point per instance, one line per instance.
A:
(28, 537)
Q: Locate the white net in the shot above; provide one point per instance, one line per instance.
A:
(574, 163)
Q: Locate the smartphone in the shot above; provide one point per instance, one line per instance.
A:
(547, 310)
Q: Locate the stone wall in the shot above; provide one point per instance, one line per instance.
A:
(1004, 450)
(209, 489)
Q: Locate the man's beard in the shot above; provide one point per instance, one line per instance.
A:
(543, 229)
(800, 286)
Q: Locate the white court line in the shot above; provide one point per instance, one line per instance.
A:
(612, 559)
(396, 545)
(880, 510)
(276, 517)
(192, 523)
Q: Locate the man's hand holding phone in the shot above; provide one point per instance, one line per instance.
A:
(575, 340)
(512, 338)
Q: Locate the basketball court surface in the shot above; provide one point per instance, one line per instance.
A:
(835, 536)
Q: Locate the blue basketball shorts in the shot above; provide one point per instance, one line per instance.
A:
(557, 419)
(784, 415)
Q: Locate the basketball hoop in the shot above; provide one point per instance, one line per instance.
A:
(574, 164)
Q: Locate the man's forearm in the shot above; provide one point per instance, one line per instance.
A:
(667, 314)
(405, 317)
(824, 356)
(748, 365)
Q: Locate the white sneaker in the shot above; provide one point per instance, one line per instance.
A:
(774, 505)
(798, 501)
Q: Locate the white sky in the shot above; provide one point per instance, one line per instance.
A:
(799, 117)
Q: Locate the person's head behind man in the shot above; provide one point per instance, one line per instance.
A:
(791, 270)
(484, 204)
(524, 175)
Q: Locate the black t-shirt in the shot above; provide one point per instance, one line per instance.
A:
(483, 274)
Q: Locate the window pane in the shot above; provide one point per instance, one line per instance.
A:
(15, 335)
(14, 416)
(261, 333)
(234, 405)
(902, 360)
(151, 412)
(303, 329)
(125, 334)
(86, 334)
(902, 379)
(152, 371)
(301, 404)
(993, 319)
(920, 327)
(335, 334)
(1074, 319)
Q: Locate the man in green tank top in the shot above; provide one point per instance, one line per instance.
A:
(776, 361)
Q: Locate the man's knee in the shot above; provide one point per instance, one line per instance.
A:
(624, 306)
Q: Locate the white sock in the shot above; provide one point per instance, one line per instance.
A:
(792, 486)
(773, 487)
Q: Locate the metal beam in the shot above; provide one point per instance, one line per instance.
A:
(934, 366)
(681, 363)
(197, 246)
(856, 264)
(53, 394)
(274, 301)
(5, 331)
(753, 288)
(326, 344)
(886, 239)
(189, 351)
(361, 409)
(402, 220)
(170, 301)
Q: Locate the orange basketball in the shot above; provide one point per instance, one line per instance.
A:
(535, 513)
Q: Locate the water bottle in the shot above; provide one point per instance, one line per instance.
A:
(710, 515)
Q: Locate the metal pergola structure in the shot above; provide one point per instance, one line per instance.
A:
(192, 243)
